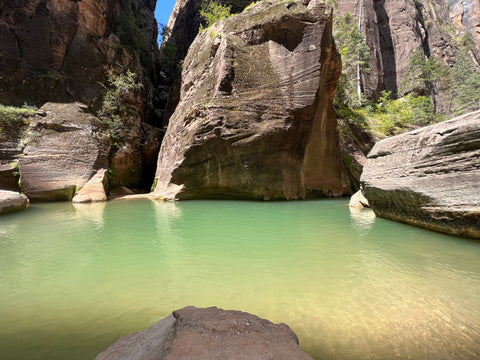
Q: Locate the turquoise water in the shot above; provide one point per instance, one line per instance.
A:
(73, 279)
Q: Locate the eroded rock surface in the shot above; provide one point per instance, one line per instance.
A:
(211, 333)
(429, 177)
(12, 201)
(256, 118)
(65, 148)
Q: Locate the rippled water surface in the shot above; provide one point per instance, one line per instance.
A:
(75, 278)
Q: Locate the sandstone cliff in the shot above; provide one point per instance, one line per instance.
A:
(428, 177)
(256, 118)
(394, 29)
(59, 51)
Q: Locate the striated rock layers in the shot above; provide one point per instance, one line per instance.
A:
(59, 51)
(256, 118)
(211, 333)
(395, 29)
(65, 148)
(429, 177)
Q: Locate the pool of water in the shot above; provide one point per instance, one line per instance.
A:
(73, 279)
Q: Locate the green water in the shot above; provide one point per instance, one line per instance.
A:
(73, 279)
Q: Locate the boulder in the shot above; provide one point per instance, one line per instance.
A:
(358, 200)
(429, 177)
(12, 201)
(256, 117)
(94, 189)
(65, 149)
(209, 334)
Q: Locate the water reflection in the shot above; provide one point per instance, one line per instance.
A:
(362, 219)
(93, 212)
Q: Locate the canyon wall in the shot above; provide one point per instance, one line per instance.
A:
(60, 51)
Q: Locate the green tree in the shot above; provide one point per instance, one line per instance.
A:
(213, 11)
(465, 83)
(424, 75)
(355, 53)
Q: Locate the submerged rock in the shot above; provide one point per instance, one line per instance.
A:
(256, 117)
(211, 333)
(429, 177)
(65, 149)
(12, 201)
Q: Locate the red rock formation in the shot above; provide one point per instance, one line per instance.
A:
(256, 118)
(60, 50)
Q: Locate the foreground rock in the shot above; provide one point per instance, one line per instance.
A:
(213, 334)
(429, 177)
(65, 148)
(12, 201)
(256, 117)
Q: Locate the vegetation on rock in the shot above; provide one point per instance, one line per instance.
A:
(13, 120)
(115, 108)
(213, 11)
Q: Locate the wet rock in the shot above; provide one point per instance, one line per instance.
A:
(256, 117)
(64, 150)
(211, 333)
(429, 177)
(12, 201)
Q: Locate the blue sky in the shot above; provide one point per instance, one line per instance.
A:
(163, 10)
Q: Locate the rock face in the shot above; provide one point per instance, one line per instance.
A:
(60, 51)
(65, 148)
(394, 29)
(256, 118)
(12, 201)
(429, 177)
(212, 334)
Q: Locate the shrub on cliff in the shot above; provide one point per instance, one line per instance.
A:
(115, 109)
(13, 119)
(355, 52)
(213, 11)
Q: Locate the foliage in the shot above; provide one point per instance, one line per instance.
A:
(165, 31)
(115, 109)
(13, 119)
(213, 11)
(252, 4)
(355, 53)
(389, 117)
(465, 83)
(424, 74)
